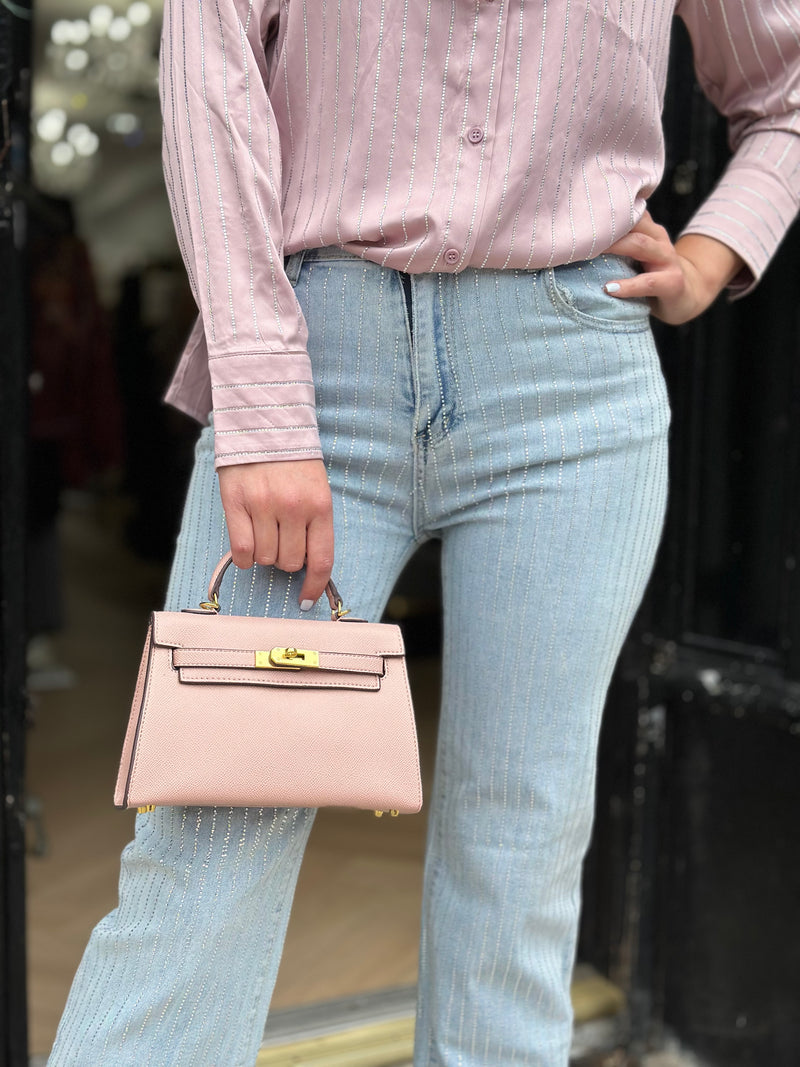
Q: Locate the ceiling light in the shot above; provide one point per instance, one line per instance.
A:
(83, 139)
(62, 154)
(87, 144)
(122, 122)
(119, 29)
(139, 13)
(100, 18)
(50, 125)
(61, 32)
(76, 59)
(80, 31)
(76, 133)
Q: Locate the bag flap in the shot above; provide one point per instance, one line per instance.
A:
(186, 630)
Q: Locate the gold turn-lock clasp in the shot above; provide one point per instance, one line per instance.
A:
(292, 659)
(143, 810)
(380, 814)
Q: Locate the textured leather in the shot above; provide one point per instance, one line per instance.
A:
(208, 727)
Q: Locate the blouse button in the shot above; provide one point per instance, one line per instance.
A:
(452, 256)
(475, 135)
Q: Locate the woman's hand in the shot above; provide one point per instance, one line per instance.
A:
(679, 280)
(281, 513)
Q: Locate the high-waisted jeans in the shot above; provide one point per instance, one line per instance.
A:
(521, 418)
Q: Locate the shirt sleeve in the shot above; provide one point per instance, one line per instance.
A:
(747, 59)
(222, 169)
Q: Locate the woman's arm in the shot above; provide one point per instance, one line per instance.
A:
(747, 59)
(222, 167)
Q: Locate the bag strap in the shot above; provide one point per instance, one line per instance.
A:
(338, 610)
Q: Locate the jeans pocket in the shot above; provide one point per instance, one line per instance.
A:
(576, 290)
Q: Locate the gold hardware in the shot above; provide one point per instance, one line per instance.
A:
(210, 605)
(292, 659)
(393, 813)
(378, 814)
(145, 808)
(341, 610)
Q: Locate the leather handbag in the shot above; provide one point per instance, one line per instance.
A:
(262, 712)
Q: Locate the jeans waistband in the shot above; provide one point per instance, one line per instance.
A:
(292, 263)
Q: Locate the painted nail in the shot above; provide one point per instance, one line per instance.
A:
(306, 605)
(611, 287)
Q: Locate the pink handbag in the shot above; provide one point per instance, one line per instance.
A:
(260, 712)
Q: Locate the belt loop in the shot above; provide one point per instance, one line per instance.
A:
(292, 265)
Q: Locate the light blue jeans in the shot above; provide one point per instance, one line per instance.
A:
(521, 418)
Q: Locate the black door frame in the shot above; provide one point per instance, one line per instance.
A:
(15, 26)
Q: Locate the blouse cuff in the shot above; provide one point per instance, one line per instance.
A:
(263, 407)
(751, 209)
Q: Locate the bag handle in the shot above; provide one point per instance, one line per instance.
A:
(338, 610)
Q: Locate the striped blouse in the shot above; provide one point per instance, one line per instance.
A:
(433, 135)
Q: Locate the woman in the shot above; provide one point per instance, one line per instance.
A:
(430, 212)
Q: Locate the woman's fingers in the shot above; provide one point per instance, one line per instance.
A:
(648, 243)
(649, 285)
(643, 247)
(319, 542)
(291, 543)
(680, 280)
(238, 518)
(663, 276)
(266, 534)
(647, 224)
(281, 513)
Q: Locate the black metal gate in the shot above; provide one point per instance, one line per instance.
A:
(14, 112)
(693, 882)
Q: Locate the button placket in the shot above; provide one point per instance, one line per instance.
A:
(470, 166)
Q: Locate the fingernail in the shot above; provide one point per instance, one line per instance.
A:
(611, 287)
(306, 605)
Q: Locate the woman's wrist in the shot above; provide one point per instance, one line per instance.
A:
(714, 263)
